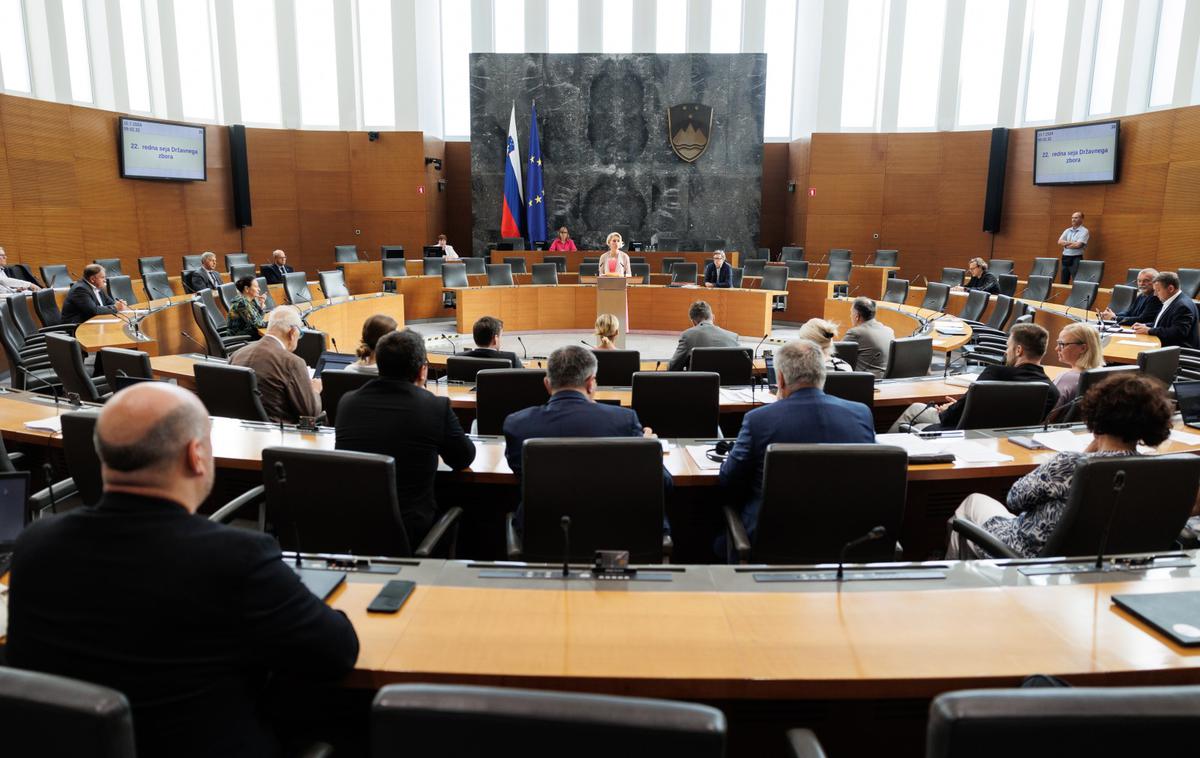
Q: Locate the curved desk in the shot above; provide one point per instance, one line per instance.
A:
(1122, 348)
(905, 321)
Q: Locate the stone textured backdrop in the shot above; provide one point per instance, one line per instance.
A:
(607, 161)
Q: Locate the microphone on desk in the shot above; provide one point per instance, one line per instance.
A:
(916, 416)
(586, 343)
(871, 260)
(875, 533)
(823, 257)
(847, 295)
(565, 523)
(453, 345)
(281, 478)
(334, 341)
(1060, 412)
(54, 388)
(1118, 484)
(918, 276)
(1049, 298)
(756, 347)
(195, 341)
(524, 352)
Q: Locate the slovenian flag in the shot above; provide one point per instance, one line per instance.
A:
(535, 205)
(510, 219)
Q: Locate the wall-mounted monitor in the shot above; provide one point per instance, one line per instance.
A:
(1080, 154)
(162, 150)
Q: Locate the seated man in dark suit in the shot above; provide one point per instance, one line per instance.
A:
(278, 267)
(206, 277)
(89, 297)
(1176, 321)
(704, 333)
(803, 414)
(981, 278)
(487, 331)
(718, 273)
(1022, 363)
(395, 415)
(190, 619)
(1144, 308)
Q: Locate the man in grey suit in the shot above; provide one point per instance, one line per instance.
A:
(704, 333)
(874, 339)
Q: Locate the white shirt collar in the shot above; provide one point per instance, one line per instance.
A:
(1166, 304)
(272, 336)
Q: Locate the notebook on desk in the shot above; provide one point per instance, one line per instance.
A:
(320, 582)
(1175, 614)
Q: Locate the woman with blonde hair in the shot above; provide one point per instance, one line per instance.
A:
(822, 332)
(373, 329)
(1078, 347)
(607, 327)
(614, 262)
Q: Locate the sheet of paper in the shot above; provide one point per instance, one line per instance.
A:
(1064, 441)
(52, 424)
(105, 321)
(697, 452)
(1136, 342)
(972, 452)
(962, 380)
(911, 443)
(311, 372)
(1187, 438)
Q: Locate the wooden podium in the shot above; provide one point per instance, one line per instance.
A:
(611, 298)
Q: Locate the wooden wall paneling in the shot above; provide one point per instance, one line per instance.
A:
(842, 230)
(774, 203)
(846, 193)
(456, 170)
(321, 151)
(273, 229)
(320, 230)
(272, 164)
(1139, 191)
(798, 171)
(914, 236)
(389, 228)
(848, 153)
(435, 197)
(1146, 138)
(162, 221)
(915, 153)
(1130, 240)
(960, 237)
(1023, 237)
(966, 152)
(1021, 196)
(1180, 230)
(910, 193)
(1185, 134)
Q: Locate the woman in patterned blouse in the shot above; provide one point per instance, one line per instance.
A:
(1120, 412)
(246, 310)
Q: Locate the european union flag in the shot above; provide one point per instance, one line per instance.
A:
(535, 203)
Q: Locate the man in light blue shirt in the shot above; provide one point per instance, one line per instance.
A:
(1074, 241)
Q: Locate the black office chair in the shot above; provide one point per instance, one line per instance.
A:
(391, 252)
(713, 245)
(216, 345)
(433, 266)
(816, 498)
(1189, 281)
(895, 291)
(121, 288)
(220, 320)
(1089, 271)
(1122, 298)
(974, 305)
(236, 259)
(623, 512)
(66, 358)
(502, 391)
(463, 368)
(112, 266)
(475, 266)
(636, 259)
(190, 263)
(445, 719)
(998, 318)
(45, 304)
(1161, 363)
(545, 273)
(1037, 288)
(990, 405)
(1007, 283)
(514, 243)
(393, 267)
(333, 284)
(311, 345)
(23, 320)
(79, 451)
(1047, 267)
(640, 270)
(295, 288)
(615, 368)
(301, 484)
(1000, 266)
(732, 364)
(667, 262)
(517, 265)
(753, 267)
(684, 273)
(157, 286)
(797, 269)
(230, 391)
(1145, 517)
(151, 263)
(678, 403)
(453, 275)
(345, 253)
(1083, 294)
(1088, 379)
(240, 271)
(589, 269)
(335, 384)
(909, 357)
(952, 277)
(264, 288)
(735, 278)
(1046, 722)
(41, 714)
(936, 295)
(856, 386)
(499, 275)
(1131, 275)
(33, 359)
(885, 257)
(559, 261)
(791, 253)
(120, 363)
(846, 351)
(228, 293)
(56, 276)
(775, 278)
(840, 254)
(839, 270)
(667, 245)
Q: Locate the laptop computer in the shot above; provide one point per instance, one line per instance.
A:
(333, 361)
(14, 513)
(1188, 395)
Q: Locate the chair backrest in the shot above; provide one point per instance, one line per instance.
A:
(463, 368)
(791, 253)
(46, 305)
(846, 351)
(475, 265)
(22, 317)
(209, 298)
(112, 266)
(1091, 378)
(857, 386)
(684, 273)
(615, 368)
(230, 391)
(121, 288)
(228, 293)
(311, 345)
(515, 243)
(589, 269)
(732, 364)
(1189, 281)
(265, 289)
(63, 716)
(499, 274)
(79, 448)
(1040, 722)
(236, 259)
(936, 295)
(1161, 363)
(1022, 312)
(56, 275)
(345, 253)
(1089, 271)
(1037, 288)
(391, 252)
(1007, 283)
(1083, 294)
(989, 405)
(433, 266)
(559, 261)
(208, 328)
(815, 499)
(1000, 266)
(302, 484)
(151, 263)
(454, 275)
(711, 245)
(451, 719)
(753, 267)
(335, 384)
(157, 285)
(333, 284)
(667, 245)
(735, 277)
(545, 273)
(839, 270)
(774, 278)
(190, 262)
(974, 306)
(1047, 267)
(500, 392)
(240, 270)
(1122, 297)
(668, 261)
(909, 357)
(295, 288)
(952, 277)
(1131, 275)
(797, 269)
(895, 291)
(66, 358)
(1000, 310)
(678, 403)
(885, 257)
(640, 270)
(395, 267)
(119, 362)
(621, 512)
(516, 265)
(1158, 495)
(840, 254)
(635, 259)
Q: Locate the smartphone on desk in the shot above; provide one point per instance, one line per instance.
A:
(392, 597)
